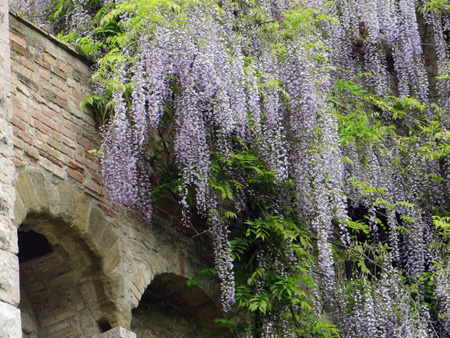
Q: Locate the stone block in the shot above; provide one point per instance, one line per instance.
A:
(106, 241)
(30, 186)
(10, 323)
(20, 212)
(9, 278)
(8, 235)
(28, 324)
(72, 207)
(118, 332)
(7, 197)
(96, 225)
(111, 259)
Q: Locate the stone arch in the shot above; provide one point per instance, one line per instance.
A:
(171, 308)
(74, 284)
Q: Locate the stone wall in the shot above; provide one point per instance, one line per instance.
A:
(84, 265)
(9, 268)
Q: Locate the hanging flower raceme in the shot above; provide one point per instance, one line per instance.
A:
(255, 82)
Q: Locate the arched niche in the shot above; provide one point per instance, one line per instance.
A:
(68, 253)
(171, 308)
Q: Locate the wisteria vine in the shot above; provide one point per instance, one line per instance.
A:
(317, 129)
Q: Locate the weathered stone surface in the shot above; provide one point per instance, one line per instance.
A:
(5, 63)
(10, 324)
(8, 235)
(6, 141)
(9, 278)
(26, 192)
(118, 332)
(72, 207)
(96, 226)
(112, 258)
(20, 212)
(27, 323)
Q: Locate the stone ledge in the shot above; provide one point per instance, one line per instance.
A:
(9, 279)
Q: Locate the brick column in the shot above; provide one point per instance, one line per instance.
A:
(10, 324)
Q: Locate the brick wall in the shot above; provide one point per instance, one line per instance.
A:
(52, 131)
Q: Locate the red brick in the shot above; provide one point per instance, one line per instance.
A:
(107, 210)
(93, 137)
(41, 62)
(19, 69)
(75, 174)
(33, 152)
(66, 159)
(25, 62)
(50, 158)
(81, 159)
(55, 169)
(63, 68)
(39, 99)
(57, 100)
(60, 147)
(18, 153)
(58, 72)
(19, 49)
(16, 102)
(56, 117)
(18, 163)
(43, 75)
(39, 116)
(58, 83)
(41, 136)
(55, 90)
(79, 70)
(23, 135)
(18, 123)
(94, 187)
(97, 178)
(48, 131)
(99, 198)
(78, 94)
(48, 151)
(76, 167)
(18, 40)
(75, 102)
(21, 114)
(49, 59)
(86, 143)
(68, 142)
(70, 125)
(18, 143)
(67, 132)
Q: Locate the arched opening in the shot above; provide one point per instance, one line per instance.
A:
(170, 308)
(62, 292)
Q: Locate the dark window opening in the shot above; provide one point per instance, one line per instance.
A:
(32, 245)
(103, 325)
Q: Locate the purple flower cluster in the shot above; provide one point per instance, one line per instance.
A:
(219, 80)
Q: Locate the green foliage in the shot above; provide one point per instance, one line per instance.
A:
(267, 236)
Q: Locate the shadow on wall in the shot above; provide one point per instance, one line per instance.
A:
(171, 309)
(60, 282)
